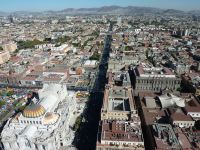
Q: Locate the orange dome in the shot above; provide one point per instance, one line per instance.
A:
(33, 111)
(50, 118)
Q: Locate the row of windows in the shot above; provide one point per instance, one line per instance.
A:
(118, 114)
(113, 118)
(158, 81)
(150, 88)
(188, 124)
(118, 143)
(194, 114)
(107, 149)
(31, 122)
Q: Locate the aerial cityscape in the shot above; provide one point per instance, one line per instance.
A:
(100, 75)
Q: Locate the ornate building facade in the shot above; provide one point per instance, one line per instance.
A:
(44, 124)
(155, 79)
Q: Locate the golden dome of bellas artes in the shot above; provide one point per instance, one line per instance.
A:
(33, 111)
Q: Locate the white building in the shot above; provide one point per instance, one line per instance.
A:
(170, 100)
(43, 125)
(182, 68)
(90, 63)
(11, 47)
(4, 57)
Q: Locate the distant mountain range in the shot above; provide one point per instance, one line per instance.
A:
(109, 10)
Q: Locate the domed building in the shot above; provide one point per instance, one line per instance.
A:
(50, 118)
(34, 111)
(43, 125)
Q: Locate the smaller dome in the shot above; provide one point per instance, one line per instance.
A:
(33, 111)
(50, 118)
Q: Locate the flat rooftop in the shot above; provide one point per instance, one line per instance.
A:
(149, 71)
(120, 131)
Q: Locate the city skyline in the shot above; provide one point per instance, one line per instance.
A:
(38, 5)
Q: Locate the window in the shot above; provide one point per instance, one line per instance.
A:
(36, 146)
(43, 147)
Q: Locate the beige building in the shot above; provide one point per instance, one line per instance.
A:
(120, 125)
(149, 78)
(4, 57)
(11, 47)
(181, 120)
(118, 104)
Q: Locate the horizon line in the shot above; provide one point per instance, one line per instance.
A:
(45, 10)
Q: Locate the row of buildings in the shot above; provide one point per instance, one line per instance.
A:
(62, 71)
(120, 124)
(160, 69)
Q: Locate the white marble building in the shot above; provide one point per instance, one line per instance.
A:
(43, 125)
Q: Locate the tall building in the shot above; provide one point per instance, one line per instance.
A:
(44, 124)
(186, 32)
(119, 21)
(10, 18)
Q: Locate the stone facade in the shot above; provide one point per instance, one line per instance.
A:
(155, 81)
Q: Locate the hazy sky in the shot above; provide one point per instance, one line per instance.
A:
(39, 5)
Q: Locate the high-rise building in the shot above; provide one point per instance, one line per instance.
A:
(10, 18)
(119, 21)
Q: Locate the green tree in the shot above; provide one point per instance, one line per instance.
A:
(21, 108)
(62, 39)
(29, 44)
(78, 123)
(1, 48)
(95, 56)
(2, 103)
(9, 93)
(128, 48)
